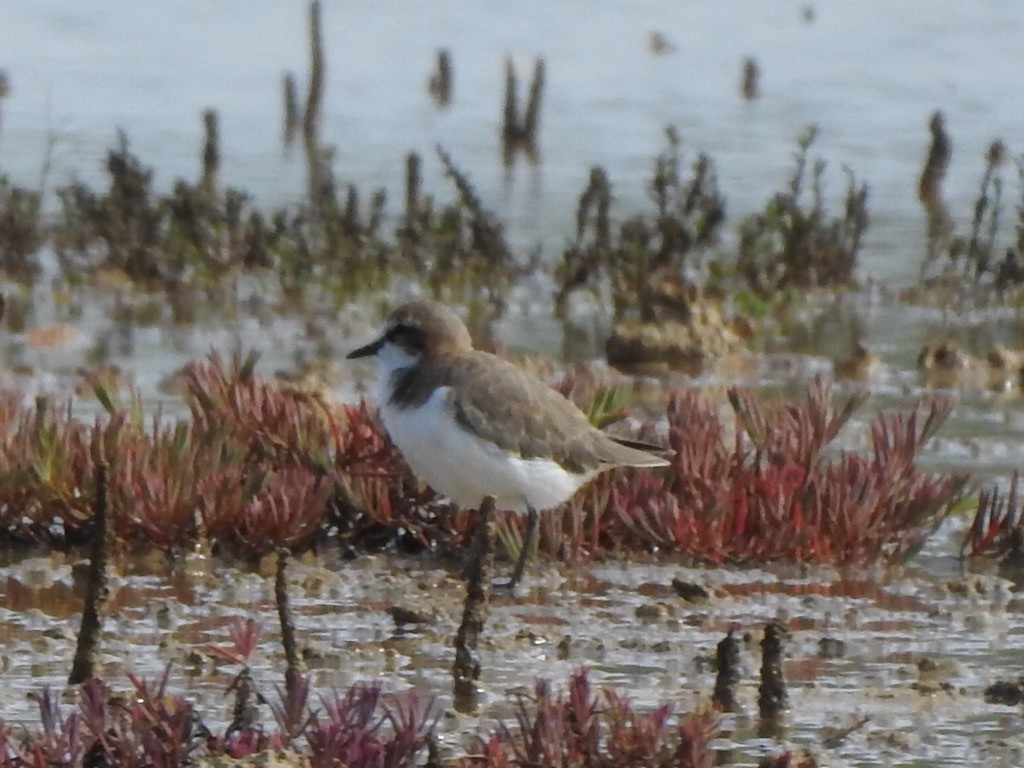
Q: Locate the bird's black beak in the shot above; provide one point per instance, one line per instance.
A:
(366, 351)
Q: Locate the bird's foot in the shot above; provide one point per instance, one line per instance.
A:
(505, 585)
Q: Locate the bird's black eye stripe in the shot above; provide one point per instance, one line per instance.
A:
(403, 334)
(398, 331)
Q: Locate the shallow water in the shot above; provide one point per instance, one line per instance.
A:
(868, 74)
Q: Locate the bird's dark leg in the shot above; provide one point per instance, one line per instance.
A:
(529, 535)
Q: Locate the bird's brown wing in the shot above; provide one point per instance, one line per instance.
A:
(522, 414)
(633, 453)
(505, 405)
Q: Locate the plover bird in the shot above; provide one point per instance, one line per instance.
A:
(473, 425)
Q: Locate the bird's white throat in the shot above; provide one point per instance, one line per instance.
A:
(391, 359)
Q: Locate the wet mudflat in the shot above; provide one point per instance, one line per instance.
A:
(912, 648)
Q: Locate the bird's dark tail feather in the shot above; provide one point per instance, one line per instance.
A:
(656, 455)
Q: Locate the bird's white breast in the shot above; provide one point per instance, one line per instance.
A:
(464, 467)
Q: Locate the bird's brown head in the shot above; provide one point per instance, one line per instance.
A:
(419, 328)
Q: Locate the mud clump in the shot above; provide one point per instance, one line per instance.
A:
(692, 593)
(948, 365)
(860, 365)
(1007, 692)
(268, 759)
(690, 345)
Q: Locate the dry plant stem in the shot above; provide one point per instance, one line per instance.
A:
(510, 113)
(466, 670)
(520, 131)
(4, 88)
(751, 88)
(291, 107)
(772, 698)
(940, 223)
(320, 183)
(211, 151)
(296, 666)
(440, 85)
(531, 120)
(314, 97)
(413, 184)
(97, 588)
(929, 188)
(728, 662)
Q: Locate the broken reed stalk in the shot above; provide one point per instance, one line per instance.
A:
(751, 87)
(296, 666)
(466, 670)
(440, 84)
(510, 113)
(413, 184)
(772, 698)
(929, 191)
(727, 659)
(531, 120)
(291, 107)
(211, 151)
(520, 132)
(314, 96)
(5, 87)
(350, 213)
(97, 589)
(595, 206)
(929, 188)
